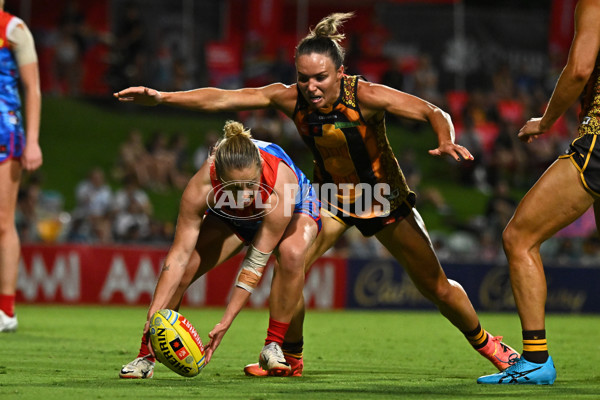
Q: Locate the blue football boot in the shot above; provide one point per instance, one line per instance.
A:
(523, 372)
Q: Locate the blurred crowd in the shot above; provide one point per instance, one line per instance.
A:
(487, 112)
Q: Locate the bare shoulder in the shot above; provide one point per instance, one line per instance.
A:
(373, 98)
(283, 97)
(285, 174)
(373, 93)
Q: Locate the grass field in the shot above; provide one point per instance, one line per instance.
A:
(75, 352)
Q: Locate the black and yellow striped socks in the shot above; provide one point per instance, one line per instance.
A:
(293, 350)
(535, 346)
(477, 337)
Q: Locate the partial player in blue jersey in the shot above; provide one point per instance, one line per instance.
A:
(19, 146)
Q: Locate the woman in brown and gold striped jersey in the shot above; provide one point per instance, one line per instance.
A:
(568, 188)
(341, 119)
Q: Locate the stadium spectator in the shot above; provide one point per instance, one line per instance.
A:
(27, 212)
(130, 48)
(133, 159)
(322, 98)
(473, 173)
(131, 224)
(131, 192)
(93, 211)
(19, 146)
(508, 160)
(426, 80)
(67, 63)
(71, 44)
(499, 209)
(566, 190)
(210, 229)
(162, 161)
(179, 173)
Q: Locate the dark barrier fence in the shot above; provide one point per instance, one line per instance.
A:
(382, 284)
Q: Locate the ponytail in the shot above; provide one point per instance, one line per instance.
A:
(326, 39)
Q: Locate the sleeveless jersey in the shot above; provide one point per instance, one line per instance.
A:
(349, 150)
(584, 151)
(9, 70)
(589, 117)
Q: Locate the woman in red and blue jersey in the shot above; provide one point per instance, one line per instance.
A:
(247, 193)
(18, 70)
(341, 118)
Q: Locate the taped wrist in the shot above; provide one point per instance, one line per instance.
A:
(252, 269)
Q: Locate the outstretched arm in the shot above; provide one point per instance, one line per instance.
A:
(210, 99)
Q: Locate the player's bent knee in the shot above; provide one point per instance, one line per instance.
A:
(291, 259)
(512, 240)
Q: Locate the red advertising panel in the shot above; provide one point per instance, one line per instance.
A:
(127, 275)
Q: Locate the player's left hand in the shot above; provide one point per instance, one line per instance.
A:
(454, 150)
(215, 336)
(147, 334)
(31, 159)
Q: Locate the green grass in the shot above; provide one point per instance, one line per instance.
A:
(75, 352)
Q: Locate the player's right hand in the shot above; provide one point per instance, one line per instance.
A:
(139, 95)
(215, 336)
(531, 130)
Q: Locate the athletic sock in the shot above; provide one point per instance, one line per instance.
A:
(276, 331)
(293, 349)
(477, 337)
(7, 304)
(145, 350)
(535, 346)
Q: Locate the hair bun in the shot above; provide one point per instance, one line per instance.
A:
(234, 128)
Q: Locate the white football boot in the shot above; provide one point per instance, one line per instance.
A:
(140, 368)
(273, 361)
(8, 324)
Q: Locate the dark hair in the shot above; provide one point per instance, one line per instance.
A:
(325, 39)
(235, 150)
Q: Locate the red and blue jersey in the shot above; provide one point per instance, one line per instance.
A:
(9, 69)
(12, 135)
(245, 221)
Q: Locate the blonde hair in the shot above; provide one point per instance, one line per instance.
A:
(235, 150)
(326, 39)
